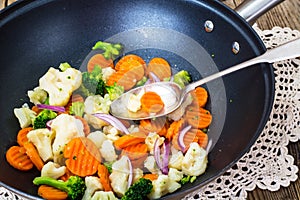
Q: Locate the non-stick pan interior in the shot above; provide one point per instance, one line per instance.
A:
(35, 35)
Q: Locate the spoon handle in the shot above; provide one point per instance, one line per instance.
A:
(285, 51)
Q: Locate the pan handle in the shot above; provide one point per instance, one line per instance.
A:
(251, 10)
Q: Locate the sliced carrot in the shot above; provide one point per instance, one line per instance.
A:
(100, 60)
(36, 109)
(139, 163)
(83, 156)
(34, 155)
(129, 139)
(174, 128)
(16, 156)
(67, 175)
(160, 67)
(157, 125)
(202, 138)
(51, 193)
(104, 178)
(137, 154)
(129, 61)
(22, 135)
(130, 70)
(198, 117)
(151, 177)
(127, 80)
(200, 96)
(151, 102)
(86, 126)
(136, 151)
(189, 137)
(138, 72)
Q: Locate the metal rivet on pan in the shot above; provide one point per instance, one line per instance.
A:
(235, 47)
(209, 26)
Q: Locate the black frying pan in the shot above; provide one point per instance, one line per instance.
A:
(35, 35)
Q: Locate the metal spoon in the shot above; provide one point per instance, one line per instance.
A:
(173, 96)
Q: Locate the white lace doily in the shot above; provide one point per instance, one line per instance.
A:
(267, 165)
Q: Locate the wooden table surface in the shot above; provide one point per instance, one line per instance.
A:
(287, 14)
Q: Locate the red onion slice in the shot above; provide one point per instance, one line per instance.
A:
(48, 124)
(130, 177)
(166, 153)
(181, 137)
(157, 154)
(162, 161)
(53, 108)
(113, 121)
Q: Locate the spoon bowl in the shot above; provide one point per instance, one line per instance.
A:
(173, 95)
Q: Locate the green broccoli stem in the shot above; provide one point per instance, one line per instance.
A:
(52, 182)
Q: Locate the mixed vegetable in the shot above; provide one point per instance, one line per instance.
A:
(83, 152)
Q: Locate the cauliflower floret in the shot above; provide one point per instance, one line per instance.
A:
(194, 162)
(24, 115)
(163, 185)
(137, 174)
(111, 132)
(176, 159)
(119, 176)
(133, 101)
(150, 141)
(42, 139)
(92, 185)
(37, 95)
(108, 152)
(175, 174)
(65, 127)
(133, 128)
(160, 186)
(53, 170)
(150, 164)
(60, 85)
(101, 195)
(172, 186)
(98, 137)
(95, 122)
(97, 104)
(107, 72)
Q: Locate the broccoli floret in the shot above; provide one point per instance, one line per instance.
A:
(139, 190)
(93, 82)
(42, 118)
(64, 66)
(111, 51)
(74, 186)
(182, 78)
(114, 91)
(77, 108)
